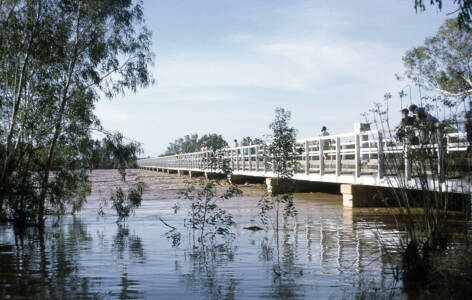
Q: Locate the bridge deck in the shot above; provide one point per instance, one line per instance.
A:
(361, 158)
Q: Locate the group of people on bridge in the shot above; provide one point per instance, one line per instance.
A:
(418, 128)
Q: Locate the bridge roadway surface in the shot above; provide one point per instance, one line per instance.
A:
(360, 158)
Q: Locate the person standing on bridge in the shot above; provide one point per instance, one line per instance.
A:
(405, 132)
(326, 143)
(426, 123)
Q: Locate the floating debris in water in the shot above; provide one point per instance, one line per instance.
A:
(253, 228)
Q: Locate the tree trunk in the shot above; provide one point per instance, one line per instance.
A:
(58, 127)
(8, 151)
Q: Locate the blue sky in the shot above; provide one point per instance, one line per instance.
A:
(223, 66)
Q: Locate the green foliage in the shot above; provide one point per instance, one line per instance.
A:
(191, 143)
(206, 217)
(56, 58)
(444, 62)
(464, 7)
(125, 204)
(113, 153)
(283, 155)
(213, 142)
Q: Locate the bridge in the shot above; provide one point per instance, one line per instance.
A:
(360, 163)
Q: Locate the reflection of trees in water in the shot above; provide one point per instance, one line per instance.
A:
(44, 262)
(129, 248)
(285, 271)
(350, 251)
(207, 271)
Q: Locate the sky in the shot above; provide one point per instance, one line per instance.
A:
(223, 66)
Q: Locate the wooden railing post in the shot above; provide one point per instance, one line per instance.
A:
(237, 159)
(357, 156)
(321, 146)
(440, 154)
(380, 156)
(338, 156)
(257, 158)
(249, 158)
(264, 159)
(406, 155)
(232, 159)
(307, 158)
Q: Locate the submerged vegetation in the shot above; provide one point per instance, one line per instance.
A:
(432, 258)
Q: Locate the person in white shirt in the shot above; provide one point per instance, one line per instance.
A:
(325, 143)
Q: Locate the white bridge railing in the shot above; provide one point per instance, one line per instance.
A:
(357, 154)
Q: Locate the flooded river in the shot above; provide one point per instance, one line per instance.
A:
(325, 251)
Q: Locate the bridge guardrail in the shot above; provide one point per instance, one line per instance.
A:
(353, 153)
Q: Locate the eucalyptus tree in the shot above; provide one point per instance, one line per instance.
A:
(444, 62)
(57, 58)
(463, 7)
(444, 65)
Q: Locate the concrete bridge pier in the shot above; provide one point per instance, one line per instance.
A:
(364, 195)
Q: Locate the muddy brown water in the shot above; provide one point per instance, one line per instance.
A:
(325, 252)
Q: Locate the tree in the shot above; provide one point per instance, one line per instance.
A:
(191, 143)
(464, 7)
(113, 153)
(56, 58)
(444, 62)
(213, 141)
(283, 161)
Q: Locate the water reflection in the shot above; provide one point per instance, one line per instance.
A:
(129, 249)
(325, 252)
(44, 262)
(128, 246)
(208, 271)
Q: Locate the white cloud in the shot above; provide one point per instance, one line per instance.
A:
(292, 65)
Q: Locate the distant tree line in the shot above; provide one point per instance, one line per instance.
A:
(192, 143)
(113, 153)
(211, 142)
